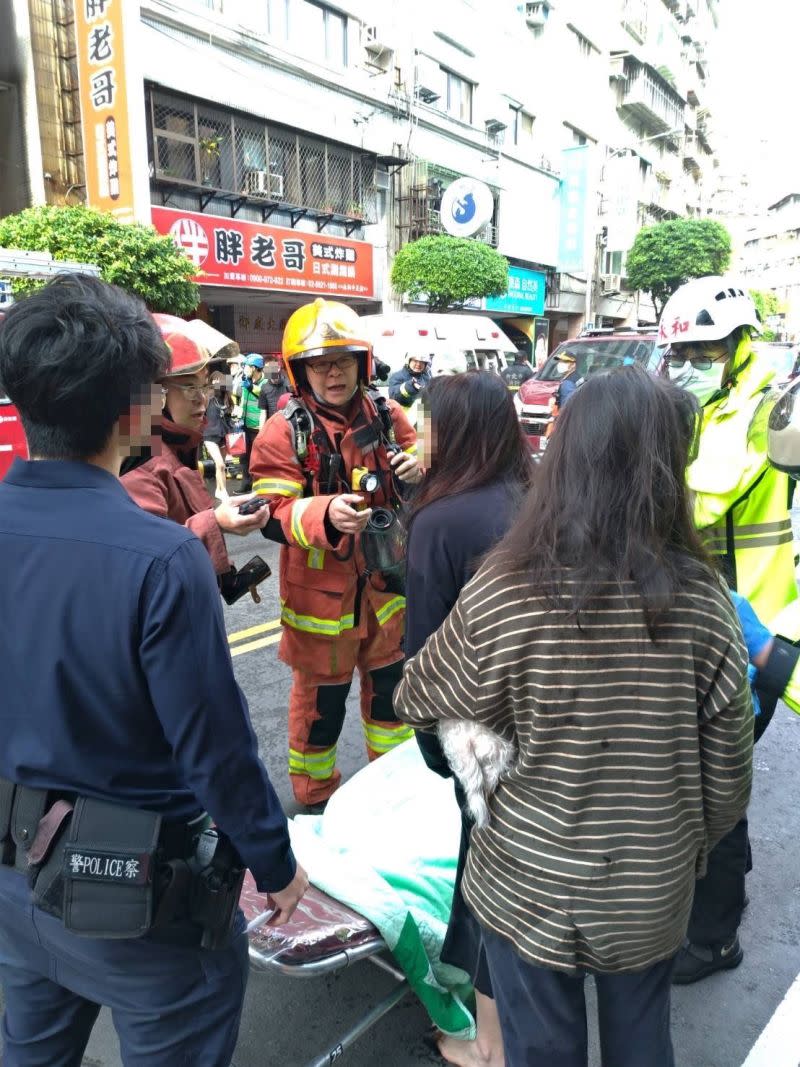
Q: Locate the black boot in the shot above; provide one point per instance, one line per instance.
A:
(699, 961)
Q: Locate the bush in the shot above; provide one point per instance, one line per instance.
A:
(134, 257)
(449, 271)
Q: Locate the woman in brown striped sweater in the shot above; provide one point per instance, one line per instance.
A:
(597, 639)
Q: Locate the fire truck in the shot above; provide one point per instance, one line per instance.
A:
(18, 264)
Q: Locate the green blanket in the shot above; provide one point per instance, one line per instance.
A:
(387, 846)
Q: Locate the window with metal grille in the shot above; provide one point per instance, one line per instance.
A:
(195, 144)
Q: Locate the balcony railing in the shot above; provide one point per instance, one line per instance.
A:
(704, 133)
(663, 199)
(220, 153)
(648, 100)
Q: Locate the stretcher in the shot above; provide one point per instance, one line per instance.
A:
(323, 936)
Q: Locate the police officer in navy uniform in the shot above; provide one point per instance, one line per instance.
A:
(121, 720)
(518, 372)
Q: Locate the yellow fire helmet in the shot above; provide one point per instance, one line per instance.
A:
(316, 328)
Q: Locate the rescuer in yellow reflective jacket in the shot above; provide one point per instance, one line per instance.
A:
(742, 507)
(774, 649)
(329, 464)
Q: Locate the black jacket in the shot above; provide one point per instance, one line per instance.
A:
(405, 386)
(515, 374)
(446, 543)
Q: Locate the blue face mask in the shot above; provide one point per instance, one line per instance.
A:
(701, 383)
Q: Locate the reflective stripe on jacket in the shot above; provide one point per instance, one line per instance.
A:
(741, 503)
(317, 589)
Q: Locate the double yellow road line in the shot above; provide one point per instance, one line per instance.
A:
(238, 649)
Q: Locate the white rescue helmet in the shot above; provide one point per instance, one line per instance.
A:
(422, 357)
(706, 309)
(783, 431)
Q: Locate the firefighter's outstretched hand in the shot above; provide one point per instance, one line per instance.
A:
(406, 467)
(344, 516)
(287, 899)
(231, 521)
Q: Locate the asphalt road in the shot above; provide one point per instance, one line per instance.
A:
(289, 1022)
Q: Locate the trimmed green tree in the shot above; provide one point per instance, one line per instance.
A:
(134, 257)
(667, 255)
(449, 271)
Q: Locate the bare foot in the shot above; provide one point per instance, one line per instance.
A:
(467, 1053)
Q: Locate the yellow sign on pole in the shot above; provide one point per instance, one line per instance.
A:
(99, 28)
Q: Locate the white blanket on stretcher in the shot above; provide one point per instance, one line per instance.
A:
(387, 846)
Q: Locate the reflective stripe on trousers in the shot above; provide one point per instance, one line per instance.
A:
(383, 738)
(318, 764)
(313, 624)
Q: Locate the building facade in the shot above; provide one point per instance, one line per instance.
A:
(290, 147)
(770, 260)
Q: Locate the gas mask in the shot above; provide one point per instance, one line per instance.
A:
(383, 542)
(383, 539)
(702, 383)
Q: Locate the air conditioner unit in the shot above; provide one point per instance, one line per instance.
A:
(537, 13)
(428, 79)
(383, 180)
(610, 283)
(263, 183)
(374, 40)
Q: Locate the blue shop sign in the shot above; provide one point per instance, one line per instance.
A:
(525, 294)
(574, 200)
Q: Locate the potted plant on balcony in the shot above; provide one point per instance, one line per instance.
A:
(355, 210)
(210, 148)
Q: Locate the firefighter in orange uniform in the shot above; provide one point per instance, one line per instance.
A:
(334, 464)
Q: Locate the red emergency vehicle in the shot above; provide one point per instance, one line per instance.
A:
(593, 350)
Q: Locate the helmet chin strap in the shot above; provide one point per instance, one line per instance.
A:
(740, 354)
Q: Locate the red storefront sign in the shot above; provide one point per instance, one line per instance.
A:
(249, 255)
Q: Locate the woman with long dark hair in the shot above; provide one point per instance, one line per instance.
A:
(599, 645)
(479, 467)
